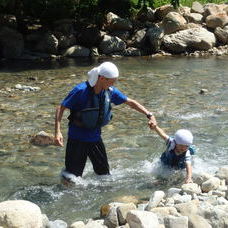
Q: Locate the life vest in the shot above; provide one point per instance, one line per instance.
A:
(170, 159)
(97, 112)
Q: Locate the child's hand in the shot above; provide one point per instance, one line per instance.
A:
(188, 180)
(152, 124)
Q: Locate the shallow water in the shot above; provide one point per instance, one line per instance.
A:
(167, 86)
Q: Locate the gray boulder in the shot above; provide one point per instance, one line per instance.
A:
(189, 40)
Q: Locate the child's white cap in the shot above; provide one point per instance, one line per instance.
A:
(106, 69)
(183, 137)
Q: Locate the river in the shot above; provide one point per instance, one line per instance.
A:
(168, 86)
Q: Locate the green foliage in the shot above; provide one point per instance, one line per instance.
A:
(49, 10)
(92, 10)
(145, 3)
(175, 3)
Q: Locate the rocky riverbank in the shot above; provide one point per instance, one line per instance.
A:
(202, 204)
(197, 31)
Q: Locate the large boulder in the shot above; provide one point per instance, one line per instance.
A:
(89, 37)
(211, 184)
(11, 43)
(111, 44)
(20, 213)
(213, 9)
(222, 36)
(44, 42)
(173, 22)
(189, 40)
(153, 38)
(217, 20)
(162, 11)
(77, 51)
(142, 219)
(197, 8)
(114, 22)
(194, 18)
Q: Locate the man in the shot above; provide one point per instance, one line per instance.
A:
(90, 109)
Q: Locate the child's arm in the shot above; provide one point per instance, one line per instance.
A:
(159, 131)
(188, 178)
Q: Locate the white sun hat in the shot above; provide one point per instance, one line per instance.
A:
(183, 137)
(106, 69)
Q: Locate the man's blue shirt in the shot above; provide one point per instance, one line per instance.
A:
(77, 100)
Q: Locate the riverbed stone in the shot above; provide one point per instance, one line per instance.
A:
(197, 7)
(214, 215)
(189, 39)
(105, 209)
(162, 212)
(111, 220)
(172, 191)
(162, 11)
(142, 219)
(191, 188)
(76, 51)
(20, 213)
(211, 184)
(42, 138)
(197, 221)
(187, 208)
(181, 198)
(78, 224)
(155, 199)
(153, 38)
(57, 224)
(47, 43)
(222, 173)
(194, 18)
(173, 22)
(218, 20)
(176, 222)
(122, 212)
(111, 44)
(199, 178)
(115, 22)
(138, 38)
(96, 224)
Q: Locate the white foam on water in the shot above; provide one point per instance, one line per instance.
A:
(201, 166)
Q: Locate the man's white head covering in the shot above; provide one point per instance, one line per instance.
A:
(183, 137)
(106, 69)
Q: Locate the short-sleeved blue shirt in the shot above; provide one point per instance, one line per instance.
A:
(77, 100)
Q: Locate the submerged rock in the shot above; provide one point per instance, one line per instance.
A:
(42, 139)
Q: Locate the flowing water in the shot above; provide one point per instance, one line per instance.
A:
(167, 86)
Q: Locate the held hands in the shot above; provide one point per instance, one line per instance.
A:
(152, 121)
(59, 139)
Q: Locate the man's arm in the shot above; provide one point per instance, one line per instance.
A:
(188, 178)
(138, 107)
(58, 117)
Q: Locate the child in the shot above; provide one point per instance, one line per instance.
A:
(178, 152)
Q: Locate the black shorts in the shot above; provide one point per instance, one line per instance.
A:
(76, 156)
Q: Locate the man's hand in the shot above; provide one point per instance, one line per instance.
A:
(59, 139)
(152, 122)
